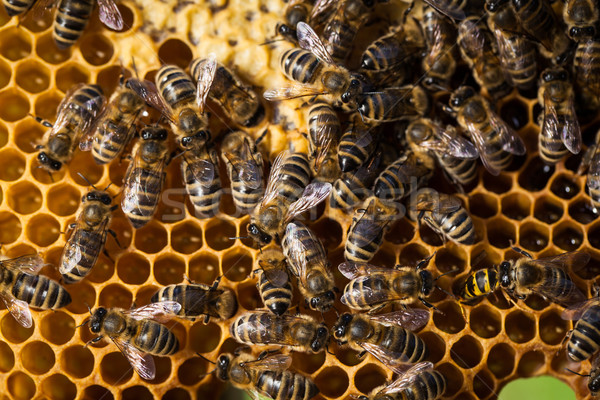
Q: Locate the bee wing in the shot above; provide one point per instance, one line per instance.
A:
(41, 7)
(451, 143)
(313, 194)
(573, 259)
(369, 295)
(149, 93)
(110, 14)
(31, 264)
(395, 360)
(19, 309)
(277, 277)
(411, 318)
(325, 138)
(203, 172)
(575, 311)
(481, 149)
(472, 38)
(321, 9)
(438, 203)
(248, 170)
(268, 333)
(138, 186)
(142, 363)
(270, 191)
(296, 252)
(275, 362)
(309, 40)
(569, 293)
(564, 126)
(161, 311)
(353, 270)
(406, 380)
(448, 8)
(511, 142)
(593, 175)
(291, 92)
(206, 76)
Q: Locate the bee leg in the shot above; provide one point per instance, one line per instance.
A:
(43, 122)
(424, 262)
(105, 252)
(428, 304)
(361, 354)
(94, 340)
(206, 319)
(519, 250)
(261, 137)
(215, 284)
(376, 308)
(114, 235)
(187, 278)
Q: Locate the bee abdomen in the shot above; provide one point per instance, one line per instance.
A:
(156, 339)
(206, 199)
(111, 140)
(300, 65)
(286, 385)
(347, 192)
(428, 385)
(457, 225)
(585, 338)
(402, 341)
(86, 246)
(245, 198)
(480, 283)
(16, 7)
(145, 202)
(354, 287)
(338, 37)
(552, 150)
(244, 334)
(71, 18)
(463, 171)
(391, 184)
(175, 86)
(276, 299)
(40, 291)
(361, 249)
(295, 176)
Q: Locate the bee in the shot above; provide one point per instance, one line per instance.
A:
(200, 171)
(584, 339)
(17, 7)
(75, 116)
(21, 287)
(387, 337)
(295, 11)
(456, 9)
(369, 223)
(496, 142)
(307, 260)
(239, 101)
(591, 159)
(324, 130)
(403, 176)
(138, 333)
(439, 64)
(288, 194)
(89, 235)
(316, 74)
(198, 299)
(420, 382)
(273, 281)
(352, 187)
(266, 376)
(394, 104)
(581, 17)
(298, 332)
(145, 176)
(587, 57)
(479, 283)
(245, 169)
(357, 144)
(560, 130)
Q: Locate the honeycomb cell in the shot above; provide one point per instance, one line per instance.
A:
(108, 78)
(560, 362)
(369, 377)
(568, 236)
(5, 73)
(63, 200)
(237, 265)
(564, 187)
(3, 135)
(530, 363)
(28, 133)
(450, 320)
(7, 357)
(13, 331)
(204, 338)
(144, 294)
(115, 369)
(547, 210)
(115, 295)
(466, 352)
(218, 234)
(516, 206)
(515, 113)
(152, 238)
(10, 228)
(384, 257)
(483, 384)
(450, 259)
(68, 76)
(485, 321)
(121, 226)
(412, 254)
(582, 211)
(77, 361)
(46, 49)
(483, 205)
(59, 387)
(501, 360)
(248, 296)
(454, 378)
(534, 236)
(133, 269)
(137, 393)
(519, 326)
(329, 231)
(128, 17)
(191, 371)
(401, 232)
(169, 269)
(24, 198)
(43, 230)
(15, 105)
(465, 396)
(32, 76)
(95, 392)
(552, 327)
(308, 363)
(497, 184)
(40, 23)
(13, 164)
(332, 381)
(591, 270)
(21, 250)
(46, 106)
(96, 49)
(82, 293)
(435, 345)
(16, 44)
(429, 236)
(176, 394)
(204, 268)
(535, 176)
(163, 369)
(593, 235)
(174, 51)
(20, 386)
(348, 356)
(186, 238)
(37, 357)
(87, 168)
(501, 233)
(58, 327)
(536, 302)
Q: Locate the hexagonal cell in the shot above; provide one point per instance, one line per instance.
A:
(564, 187)
(15, 105)
(454, 378)
(218, 234)
(332, 381)
(520, 327)
(516, 206)
(582, 211)
(163, 369)
(412, 254)
(515, 113)
(63, 200)
(103, 270)
(593, 235)
(347, 356)
(37, 357)
(450, 259)
(466, 352)
(7, 357)
(70, 75)
(560, 361)
(10, 227)
(33, 76)
(46, 105)
(77, 361)
(13, 331)
(204, 338)
(24, 198)
(152, 238)
(28, 133)
(13, 164)
(186, 238)
(204, 268)
(248, 295)
(169, 269)
(96, 49)
(82, 293)
(115, 295)
(43, 230)
(115, 369)
(86, 167)
(435, 345)
(5, 73)
(22, 250)
(497, 184)
(369, 377)
(535, 176)
(501, 233)
(174, 51)
(501, 360)
(534, 236)
(128, 17)
(121, 226)
(39, 23)
(57, 327)
(483, 384)
(108, 77)
(20, 386)
(450, 320)
(3, 135)
(192, 370)
(568, 236)
(536, 302)
(308, 363)
(401, 232)
(329, 232)
(46, 49)
(547, 210)
(384, 257)
(552, 327)
(176, 394)
(429, 236)
(133, 268)
(530, 363)
(237, 265)
(97, 392)
(485, 321)
(483, 205)
(16, 44)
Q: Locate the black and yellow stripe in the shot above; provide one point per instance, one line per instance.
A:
(300, 65)
(456, 225)
(276, 299)
(480, 283)
(154, 338)
(71, 19)
(356, 147)
(585, 337)
(175, 86)
(538, 19)
(204, 196)
(461, 170)
(427, 385)
(16, 7)
(36, 290)
(285, 385)
(199, 300)
(85, 242)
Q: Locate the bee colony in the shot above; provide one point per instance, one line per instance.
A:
(543, 209)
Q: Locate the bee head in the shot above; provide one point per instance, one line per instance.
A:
(258, 235)
(594, 383)
(97, 319)
(96, 195)
(427, 285)
(354, 88)
(286, 31)
(49, 162)
(555, 74)
(461, 95)
(339, 329)
(504, 274)
(320, 340)
(223, 366)
(322, 302)
(419, 132)
(198, 139)
(582, 33)
(153, 133)
(494, 5)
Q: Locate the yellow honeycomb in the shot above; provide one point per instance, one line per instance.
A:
(543, 209)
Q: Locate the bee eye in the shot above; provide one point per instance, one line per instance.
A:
(321, 332)
(146, 134)
(55, 165)
(345, 98)
(266, 239)
(547, 76)
(42, 157)
(106, 200)
(162, 135)
(90, 196)
(314, 302)
(330, 295)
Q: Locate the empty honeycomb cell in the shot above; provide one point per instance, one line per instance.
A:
(560, 362)
(10, 227)
(467, 352)
(533, 236)
(530, 363)
(174, 51)
(501, 233)
(516, 206)
(186, 238)
(96, 49)
(568, 236)
(68, 76)
(5, 73)
(412, 254)
(347, 356)
(3, 135)
(152, 238)
(483, 384)
(248, 295)
(429, 236)
(32, 76)
(163, 369)
(108, 78)
(37, 357)
(172, 207)
(191, 371)
(450, 319)
(547, 210)
(401, 232)
(515, 113)
(497, 184)
(128, 17)
(137, 393)
(46, 49)
(582, 211)
(237, 265)
(7, 357)
(176, 394)
(59, 387)
(20, 386)
(58, 327)
(63, 200)
(450, 259)
(536, 302)
(369, 377)
(218, 234)
(115, 369)
(15, 105)
(97, 392)
(13, 164)
(169, 269)
(133, 268)
(46, 105)
(485, 322)
(24, 198)
(308, 363)
(226, 205)
(436, 346)
(28, 134)
(483, 205)
(501, 360)
(332, 381)
(86, 167)
(535, 176)
(204, 338)
(519, 326)
(564, 187)
(593, 235)
(204, 268)
(454, 378)
(77, 361)
(13, 331)
(39, 23)
(102, 271)
(20, 250)
(82, 293)
(144, 294)
(16, 44)
(329, 231)
(384, 258)
(43, 230)
(552, 327)
(121, 226)
(115, 295)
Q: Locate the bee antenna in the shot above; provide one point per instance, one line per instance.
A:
(447, 292)
(329, 352)
(49, 174)
(239, 237)
(206, 359)
(576, 373)
(84, 323)
(270, 42)
(106, 188)
(87, 180)
(446, 273)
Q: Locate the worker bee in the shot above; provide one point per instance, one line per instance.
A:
(591, 159)
(316, 74)
(145, 176)
(478, 284)
(198, 299)
(307, 260)
(403, 176)
(266, 376)
(584, 338)
(288, 194)
(138, 333)
(387, 337)
(295, 11)
(298, 332)
(560, 131)
(439, 64)
(21, 287)
(594, 377)
(352, 187)
(89, 235)
(239, 101)
(324, 130)
(200, 171)
(420, 382)
(456, 9)
(75, 116)
(394, 104)
(587, 57)
(581, 17)
(245, 169)
(496, 142)
(273, 281)
(369, 224)
(17, 7)
(357, 144)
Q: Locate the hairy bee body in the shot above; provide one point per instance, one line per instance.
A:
(71, 19)
(353, 187)
(586, 65)
(581, 17)
(357, 145)
(16, 7)
(295, 11)
(480, 283)
(394, 104)
(276, 293)
(426, 385)
(585, 337)
(324, 130)
(537, 19)
(402, 177)
(461, 170)
(200, 171)
(439, 64)
(456, 225)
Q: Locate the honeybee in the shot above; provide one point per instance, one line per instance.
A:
(387, 337)
(138, 333)
(21, 287)
(479, 283)
(316, 74)
(200, 171)
(560, 131)
(245, 169)
(394, 104)
(581, 17)
(266, 376)
(420, 382)
(369, 223)
(357, 145)
(75, 117)
(403, 176)
(273, 281)
(145, 176)
(591, 159)
(439, 64)
(16, 7)
(298, 332)
(456, 9)
(587, 57)
(583, 339)
(307, 260)
(89, 235)
(324, 130)
(496, 142)
(288, 194)
(198, 299)
(353, 187)
(295, 11)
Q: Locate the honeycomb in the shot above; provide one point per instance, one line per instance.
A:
(543, 209)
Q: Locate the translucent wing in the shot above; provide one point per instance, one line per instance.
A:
(248, 170)
(593, 176)
(138, 184)
(87, 113)
(353, 270)
(265, 328)
(321, 9)
(395, 360)
(472, 38)
(276, 362)
(371, 295)
(19, 310)
(276, 276)
(450, 142)
(161, 311)
(511, 142)
(110, 14)
(439, 203)
(482, 149)
(292, 92)
(313, 194)
(141, 362)
(149, 93)
(41, 7)
(449, 8)
(274, 175)
(309, 40)
(206, 76)
(295, 251)
(31, 264)
(574, 260)
(575, 311)
(407, 379)
(73, 251)
(203, 172)
(411, 318)
(325, 137)
(563, 126)
(561, 291)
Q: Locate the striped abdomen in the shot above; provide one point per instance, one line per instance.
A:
(585, 338)
(276, 299)
(338, 37)
(397, 340)
(270, 328)
(138, 204)
(199, 300)
(347, 192)
(71, 18)
(497, 157)
(16, 7)
(394, 182)
(355, 148)
(83, 248)
(85, 103)
(323, 126)
(354, 292)
(427, 385)
(246, 198)
(285, 385)
(519, 60)
(204, 195)
(294, 177)
(552, 148)
(110, 139)
(456, 225)
(461, 170)
(586, 66)
(154, 338)
(560, 283)
(394, 104)
(40, 291)
(480, 283)
(300, 65)
(175, 86)
(360, 245)
(537, 18)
